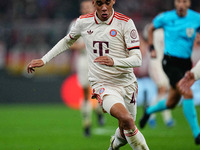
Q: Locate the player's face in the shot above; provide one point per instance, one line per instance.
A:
(87, 7)
(104, 8)
(181, 7)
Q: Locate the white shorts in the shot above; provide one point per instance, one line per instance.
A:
(107, 96)
(82, 70)
(157, 74)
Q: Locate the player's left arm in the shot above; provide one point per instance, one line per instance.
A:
(196, 71)
(132, 42)
(190, 77)
(134, 60)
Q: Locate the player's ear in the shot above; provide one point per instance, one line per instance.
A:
(175, 3)
(114, 2)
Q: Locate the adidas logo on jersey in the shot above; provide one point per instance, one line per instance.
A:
(90, 32)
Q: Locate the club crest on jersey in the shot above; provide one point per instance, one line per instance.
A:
(189, 32)
(101, 90)
(113, 32)
(133, 34)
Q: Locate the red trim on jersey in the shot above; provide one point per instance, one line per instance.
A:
(108, 23)
(95, 19)
(71, 37)
(111, 19)
(87, 15)
(121, 17)
(106, 20)
(134, 47)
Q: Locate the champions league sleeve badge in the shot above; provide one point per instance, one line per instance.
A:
(133, 34)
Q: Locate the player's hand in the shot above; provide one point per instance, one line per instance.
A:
(153, 54)
(34, 64)
(104, 60)
(186, 82)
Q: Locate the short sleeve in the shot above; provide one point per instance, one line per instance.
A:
(158, 21)
(198, 29)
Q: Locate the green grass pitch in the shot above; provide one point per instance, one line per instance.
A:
(56, 127)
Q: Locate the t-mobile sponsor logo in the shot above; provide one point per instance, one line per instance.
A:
(100, 50)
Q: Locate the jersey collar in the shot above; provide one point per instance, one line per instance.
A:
(108, 22)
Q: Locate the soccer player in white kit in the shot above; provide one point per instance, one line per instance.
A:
(112, 45)
(159, 77)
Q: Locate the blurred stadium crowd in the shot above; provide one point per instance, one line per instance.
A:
(29, 28)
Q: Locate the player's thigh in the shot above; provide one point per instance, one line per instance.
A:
(108, 96)
(110, 100)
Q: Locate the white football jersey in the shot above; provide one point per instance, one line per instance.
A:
(114, 38)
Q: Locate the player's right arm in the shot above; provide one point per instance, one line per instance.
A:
(60, 47)
(158, 22)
